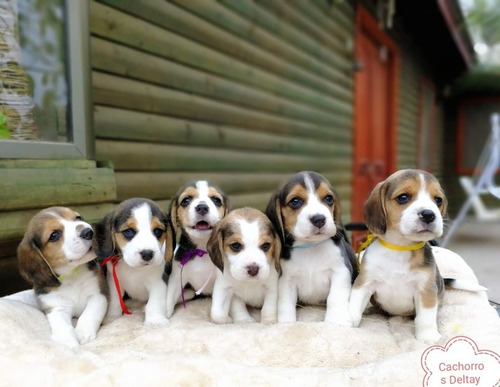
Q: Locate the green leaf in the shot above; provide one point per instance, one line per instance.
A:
(4, 130)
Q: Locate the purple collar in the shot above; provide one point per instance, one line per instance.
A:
(190, 254)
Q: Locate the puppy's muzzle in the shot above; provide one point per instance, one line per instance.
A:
(202, 209)
(427, 216)
(147, 255)
(318, 220)
(253, 270)
(87, 234)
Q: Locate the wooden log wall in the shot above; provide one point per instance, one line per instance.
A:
(243, 93)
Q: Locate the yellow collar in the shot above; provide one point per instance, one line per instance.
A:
(416, 246)
(370, 238)
(60, 278)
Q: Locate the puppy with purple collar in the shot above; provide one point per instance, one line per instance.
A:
(398, 272)
(194, 211)
(318, 264)
(245, 248)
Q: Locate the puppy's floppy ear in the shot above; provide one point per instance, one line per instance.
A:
(374, 210)
(104, 236)
(174, 219)
(444, 207)
(277, 253)
(227, 204)
(273, 212)
(33, 266)
(215, 246)
(336, 208)
(169, 240)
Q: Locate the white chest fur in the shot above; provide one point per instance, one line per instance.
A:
(310, 270)
(74, 292)
(393, 284)
(136, 281)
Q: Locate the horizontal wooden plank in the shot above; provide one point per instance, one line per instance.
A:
(251, 30)
(125, 93)
(120, 60)
(13, 223)
(161, 185)
(42, 164)
(280, 19)
(128, 156)
(28, 188)
(128, 30)
(120, 124)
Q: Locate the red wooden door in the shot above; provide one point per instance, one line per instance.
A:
(375, 112)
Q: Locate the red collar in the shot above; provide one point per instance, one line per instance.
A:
(114, 260)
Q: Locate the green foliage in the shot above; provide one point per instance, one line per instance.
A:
(4, 130)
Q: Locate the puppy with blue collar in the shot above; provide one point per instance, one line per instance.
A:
(317, 262)
(398, 272)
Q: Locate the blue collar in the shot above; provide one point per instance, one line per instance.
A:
(307, 245)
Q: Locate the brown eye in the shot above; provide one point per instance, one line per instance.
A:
(158, 232)
(265, 247)
(438, 200)
(185, 202)
(295, 203)
(403, 198)
(329, 200)
(55, 236)
(78, 217)
(236, 247)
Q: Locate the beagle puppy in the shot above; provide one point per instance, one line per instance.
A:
(57, 258)
(398, 271)
(194, 211)
(245, 248)
(317, 261)
(135, 241)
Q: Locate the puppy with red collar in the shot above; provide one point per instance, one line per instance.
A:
(135, 241)
(246, 249)
(398, 271)
(317, 261)
(194, 211)
(57, 258)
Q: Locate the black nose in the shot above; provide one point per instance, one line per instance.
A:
(427, 216)
(252, 270)
(147, 255)
(201, 208)
(87, 234)
(318, 220)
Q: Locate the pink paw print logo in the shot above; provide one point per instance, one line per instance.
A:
(460, 363)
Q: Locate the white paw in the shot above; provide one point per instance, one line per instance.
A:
(268, 319)
(221, 319)
(340, 319)
(156, 319)
(356, 319)
(110, 317)
(69, 341)
(84, 335)
(428, 336)
(244, 319)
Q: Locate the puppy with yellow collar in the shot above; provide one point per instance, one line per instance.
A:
(398, 271)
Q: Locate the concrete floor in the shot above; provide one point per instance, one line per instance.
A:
(478, 243)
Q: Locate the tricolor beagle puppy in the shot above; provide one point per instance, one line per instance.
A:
(56, 257)
(398, 271)
(246, 249)
(317, 261)
(135, 241)
(194, 211)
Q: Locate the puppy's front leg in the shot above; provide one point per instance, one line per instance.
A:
(269, 312)
(426, 306)
(360, 295)
(287, 300)
(156, 308)
(337, 303)
(173, 290)
(221, 301)
(91, 318)
(114, 307)
(62, 327)
(238, 311)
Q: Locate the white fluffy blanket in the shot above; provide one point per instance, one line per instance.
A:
(190, 350)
